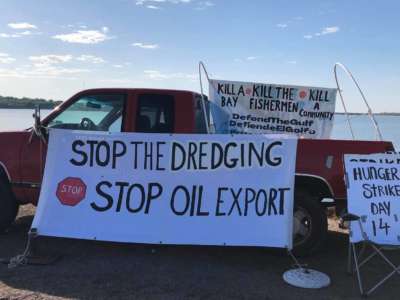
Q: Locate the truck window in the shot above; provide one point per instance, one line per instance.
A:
(92, 112)
(155, 113)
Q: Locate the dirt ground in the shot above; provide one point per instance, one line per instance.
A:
(97, 270)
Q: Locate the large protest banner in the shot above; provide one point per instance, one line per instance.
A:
(245, 107)
(172, 189)
(373, 193)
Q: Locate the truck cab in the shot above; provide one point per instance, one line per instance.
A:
(319, 167)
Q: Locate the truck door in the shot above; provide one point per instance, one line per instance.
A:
(92, 112)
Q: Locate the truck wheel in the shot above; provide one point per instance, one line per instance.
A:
(8, 206)
(310, 226)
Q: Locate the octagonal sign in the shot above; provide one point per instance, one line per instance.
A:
(71, 191)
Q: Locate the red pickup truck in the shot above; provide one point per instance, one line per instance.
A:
(319, 169)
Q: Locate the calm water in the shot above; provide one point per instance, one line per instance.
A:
(16, 119)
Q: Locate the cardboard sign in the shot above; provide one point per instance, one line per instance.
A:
(170, 189)
(373, 193)
(244, 107)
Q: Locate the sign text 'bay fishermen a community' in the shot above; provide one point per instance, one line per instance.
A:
(243, 107)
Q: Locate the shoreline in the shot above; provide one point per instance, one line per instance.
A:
(366, 114)
(336, 113)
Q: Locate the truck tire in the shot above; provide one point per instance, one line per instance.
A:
(8, 206)
(310, 226)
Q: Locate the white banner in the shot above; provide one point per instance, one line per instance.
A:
(245, 107)
(171, 189)
(373, 193)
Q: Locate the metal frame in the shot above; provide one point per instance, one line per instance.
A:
(356, 257)
(347, 71)
(3, 166)
(203, 102)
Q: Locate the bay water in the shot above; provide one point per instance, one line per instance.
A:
(19, 119)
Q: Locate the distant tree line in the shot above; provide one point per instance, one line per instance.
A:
(365, 114)
(13, 102)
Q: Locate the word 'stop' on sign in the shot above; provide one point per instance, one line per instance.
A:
(71, 191)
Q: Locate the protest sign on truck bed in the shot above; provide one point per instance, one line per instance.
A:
(170, 189)
(245, 107)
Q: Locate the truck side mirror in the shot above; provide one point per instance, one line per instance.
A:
(36, 122)
(37, 125)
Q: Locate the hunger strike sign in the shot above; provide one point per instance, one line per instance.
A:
(245, 107)
(373, 193)
(170, 189)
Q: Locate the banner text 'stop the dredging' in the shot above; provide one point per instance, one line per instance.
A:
(189, 155)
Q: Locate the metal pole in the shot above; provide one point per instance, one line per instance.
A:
(296, 262)
(342, 99)
(203, 102)
(347, 71)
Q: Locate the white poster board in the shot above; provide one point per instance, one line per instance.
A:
(246, 107)
(171, 189)
(373, 193)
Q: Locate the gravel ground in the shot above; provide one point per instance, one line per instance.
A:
(97, 270)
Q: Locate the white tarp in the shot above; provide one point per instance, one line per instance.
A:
(171, 189)
(373, 193)
(245, 107)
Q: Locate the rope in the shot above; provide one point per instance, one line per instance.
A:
(22, 259)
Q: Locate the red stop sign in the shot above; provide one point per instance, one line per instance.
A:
(71, 191)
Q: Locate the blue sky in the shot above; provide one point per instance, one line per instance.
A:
(54, 48)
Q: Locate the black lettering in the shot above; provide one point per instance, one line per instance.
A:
(216, 148)
(261, 194)
(84, 159)
(282, 200)
(186, 197)
(91, 144)
(236, 202)
(135, 160)
(367, 191)
(106, 147)
(233, 161)
(273, 161)
(202, 154)
(122, 185)
(249, 199)
(128, 198)
(191, 156)
(117, 153)
(253, 150)
(273, 193)
(148, 155)
(103, 194)
(199, 202)
(159, 156)
(220, 201)
(174, 165)
(151, 195)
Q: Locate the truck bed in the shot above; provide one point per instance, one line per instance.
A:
(324, 159)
